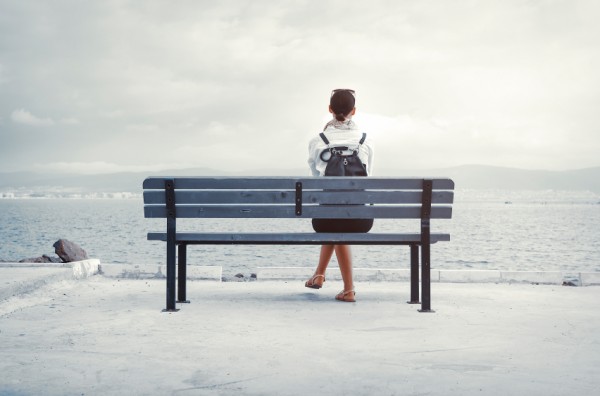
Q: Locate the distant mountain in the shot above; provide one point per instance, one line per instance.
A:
(492, 177)
(110, 182)
(467, 176)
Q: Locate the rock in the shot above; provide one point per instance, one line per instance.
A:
(240, 275)
(52, 259)
(43, 259)
(32, 260)
(69, 251)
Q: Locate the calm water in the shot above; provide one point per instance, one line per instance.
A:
(506, 230)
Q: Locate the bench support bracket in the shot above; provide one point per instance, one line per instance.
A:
(298, 199)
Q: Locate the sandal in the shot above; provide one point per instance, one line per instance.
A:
(346, 296)
(312, 282)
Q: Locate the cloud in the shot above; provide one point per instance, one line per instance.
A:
(22, 116)
(508, 83)
(69, 121)
(3, 78)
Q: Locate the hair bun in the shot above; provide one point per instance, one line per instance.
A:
(342, 103)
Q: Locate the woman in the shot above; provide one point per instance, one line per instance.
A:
(340, 131)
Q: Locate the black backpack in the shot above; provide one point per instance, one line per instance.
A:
(342, 160)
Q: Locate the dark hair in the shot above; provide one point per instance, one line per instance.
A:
(342, 102)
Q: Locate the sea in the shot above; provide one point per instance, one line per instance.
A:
(538, 230)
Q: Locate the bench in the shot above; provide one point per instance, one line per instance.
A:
(274, 198)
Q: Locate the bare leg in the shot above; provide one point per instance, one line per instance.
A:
(316, 281)
(324, 258)
(344, 258)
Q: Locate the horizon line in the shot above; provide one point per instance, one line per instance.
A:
(262, 170)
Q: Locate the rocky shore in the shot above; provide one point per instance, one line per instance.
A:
(66, 252)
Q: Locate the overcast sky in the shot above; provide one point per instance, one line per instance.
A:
(103, 86)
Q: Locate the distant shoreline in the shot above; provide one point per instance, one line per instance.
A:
(462, 195)
(40, 196)
(466, 176)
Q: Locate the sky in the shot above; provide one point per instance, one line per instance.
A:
(111, 86)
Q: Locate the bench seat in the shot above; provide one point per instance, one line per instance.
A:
(304, 238)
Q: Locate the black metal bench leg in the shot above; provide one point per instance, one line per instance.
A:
(170, 277)
(171, 242)
(426, 278)
(414, 274)
(181, 273)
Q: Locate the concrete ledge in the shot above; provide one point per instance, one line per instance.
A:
(201, 272)
(360, 274)
(127, 271)
(21, 278)
(589, 278)
(85, 268)
(79, 269)
(468, 276)
(541, 277)
(289, 273)
(381, 275)
(146, 271)
(486, 276)
(403, 275)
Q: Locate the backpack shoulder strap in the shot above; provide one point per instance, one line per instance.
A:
(362, 140)
(324, 138)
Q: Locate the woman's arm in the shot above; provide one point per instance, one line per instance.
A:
(313, 158)
(370, 161)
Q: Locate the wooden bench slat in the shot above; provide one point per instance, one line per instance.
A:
(308, 238)
(289, 211)
(288, 197)
(289, 183)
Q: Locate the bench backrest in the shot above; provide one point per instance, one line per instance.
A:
(298, 197)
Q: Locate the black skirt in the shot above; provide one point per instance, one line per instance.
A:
(342, 225)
